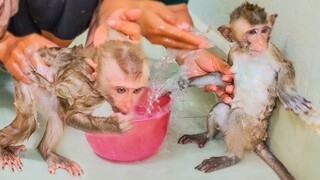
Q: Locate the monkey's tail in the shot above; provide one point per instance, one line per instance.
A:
(265, 154)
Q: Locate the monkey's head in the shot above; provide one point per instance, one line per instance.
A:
(250, 27)
(120, 72)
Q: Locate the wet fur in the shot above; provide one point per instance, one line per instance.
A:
(68, 101)
(258, 81)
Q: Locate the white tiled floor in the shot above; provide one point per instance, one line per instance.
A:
(171, 162)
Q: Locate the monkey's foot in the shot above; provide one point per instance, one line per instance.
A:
(216, 163)
(55, 161)
(9, 156)
(200, 139)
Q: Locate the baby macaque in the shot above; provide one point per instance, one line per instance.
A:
(261, 74)
(83, 78)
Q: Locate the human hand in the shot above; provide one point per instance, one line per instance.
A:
(121, 20)
(18, 53)
(162, 25)
(204, 63)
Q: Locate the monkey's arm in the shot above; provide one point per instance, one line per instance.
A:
(285, 89)
(94, 124)
(203, 80)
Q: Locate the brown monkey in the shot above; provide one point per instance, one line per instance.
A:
(83, 78)
(261, 74)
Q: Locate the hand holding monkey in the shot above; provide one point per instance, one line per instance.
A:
(16, 53)
(205, 63)
(24, 49)
(121, 20)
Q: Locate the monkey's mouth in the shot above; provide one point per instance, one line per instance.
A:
(115, 109)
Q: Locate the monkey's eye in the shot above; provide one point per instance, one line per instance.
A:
(252, 32)
(137, 91)
(121, 90)
(265, 30)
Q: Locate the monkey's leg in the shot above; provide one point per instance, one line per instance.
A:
(235, 140)
(54, 161)
(20, 128)
(217, 114)
(53, 133)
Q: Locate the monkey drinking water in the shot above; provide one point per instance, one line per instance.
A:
(83, 78)
(261, 75)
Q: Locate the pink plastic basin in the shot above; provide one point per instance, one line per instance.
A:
(142, 140)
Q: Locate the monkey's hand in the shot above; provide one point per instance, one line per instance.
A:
(293, 101)
(123, 120)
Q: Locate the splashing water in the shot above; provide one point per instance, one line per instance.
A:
(166, 74)
(164, 79)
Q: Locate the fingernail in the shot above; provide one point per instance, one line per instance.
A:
(183, 26)
(112, 22)
(227, 100)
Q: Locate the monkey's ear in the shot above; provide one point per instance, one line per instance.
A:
(91, 70)
(272, 18)
(226, 32)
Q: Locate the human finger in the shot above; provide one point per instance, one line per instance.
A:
(229, 88)
(37, 62)
(222, 95)
(227, 77)
(131, 14)
(221, 66)
(172, 34)
(20, 59)
(131, 29)
(172, 43)
(225, 98)
(16, 72)
(210, 87)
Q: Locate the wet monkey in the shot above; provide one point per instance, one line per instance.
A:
(83, 78)
(261, 75)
